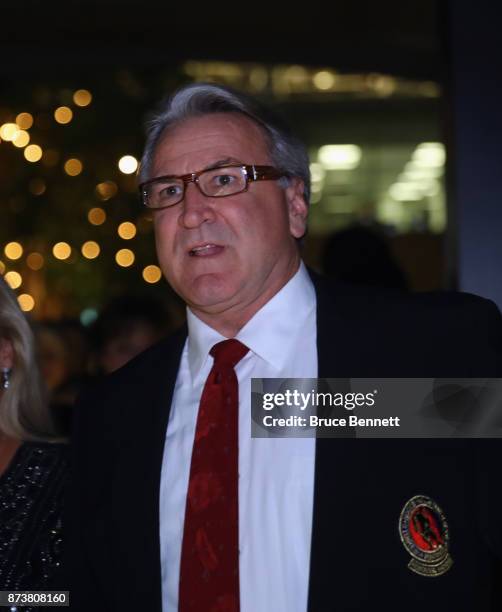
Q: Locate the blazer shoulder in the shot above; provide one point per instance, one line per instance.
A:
(461, 330)
(129, 382)
(438, 308)
(162, 354)
(471, 316)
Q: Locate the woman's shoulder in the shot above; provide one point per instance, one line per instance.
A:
(43, 456)
(50, 448)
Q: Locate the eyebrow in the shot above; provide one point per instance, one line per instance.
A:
(224, 162)
(212, 166)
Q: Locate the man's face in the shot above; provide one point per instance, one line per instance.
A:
(226, 257)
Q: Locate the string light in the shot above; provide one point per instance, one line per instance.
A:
(26, 302)
(82, 97)
(33, 153)
(13, 279)
(8, 131)
(152, 274)
(63, 114)
(24, 121)
(35, 261)
(124, 258)
(61, 250)
(13, 250)
(90, 249)
(73, 167)
(126, 230)
(21, 139)
(96, 216)
(106, 190)
(128, 164)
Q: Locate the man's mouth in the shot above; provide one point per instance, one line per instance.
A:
(205, 250)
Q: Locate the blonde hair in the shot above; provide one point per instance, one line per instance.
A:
(24, 410)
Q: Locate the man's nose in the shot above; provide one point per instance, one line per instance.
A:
(197, 208)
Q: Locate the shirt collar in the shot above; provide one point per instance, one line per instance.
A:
(271, 332)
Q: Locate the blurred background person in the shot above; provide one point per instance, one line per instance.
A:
(63, 354)
(127, 326)
(361, 255)
(33, 460)
(53, 355)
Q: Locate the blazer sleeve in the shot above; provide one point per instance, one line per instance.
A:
(84, 536)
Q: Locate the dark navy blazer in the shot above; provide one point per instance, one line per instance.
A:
(358, 562)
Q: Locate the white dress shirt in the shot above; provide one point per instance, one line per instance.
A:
(276, 475)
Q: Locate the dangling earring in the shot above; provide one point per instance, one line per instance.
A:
(6, 377)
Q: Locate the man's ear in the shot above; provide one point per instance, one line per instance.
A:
(297, 207)
(6, 353)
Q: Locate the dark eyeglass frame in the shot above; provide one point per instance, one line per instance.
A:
(252, 173)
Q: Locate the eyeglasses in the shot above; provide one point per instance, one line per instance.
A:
(166, 191)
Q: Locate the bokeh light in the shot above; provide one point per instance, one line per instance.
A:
(8, 131)
(90, 249)
(24, 121)
(106, 190)
(73, 167)
(33, 153)
(124, 258)
(126, 230)
(88, 316)
(26, 302)
(35, 261)
(2, 267)
(82, 97)
(37, 186)
(96, 216)
(13, 279)
(61, 250)
(152, 274)
(63, 114)
(128, 164)
(339, 156)
(324, 80)
(21, 139)
(13, 250)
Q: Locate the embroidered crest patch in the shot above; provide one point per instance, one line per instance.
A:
(424, 533)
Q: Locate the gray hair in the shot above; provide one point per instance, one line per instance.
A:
(287, 153)
(24, 411)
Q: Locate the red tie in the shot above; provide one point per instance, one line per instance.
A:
(209, 570)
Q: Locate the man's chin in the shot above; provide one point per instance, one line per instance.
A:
(210, 293)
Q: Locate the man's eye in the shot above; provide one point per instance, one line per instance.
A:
(224, 179)
(170, 191)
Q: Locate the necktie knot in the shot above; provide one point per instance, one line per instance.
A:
(228, 352)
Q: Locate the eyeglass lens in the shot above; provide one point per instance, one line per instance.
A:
(216, 183)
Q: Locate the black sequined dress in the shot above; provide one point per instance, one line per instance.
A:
(31, 499)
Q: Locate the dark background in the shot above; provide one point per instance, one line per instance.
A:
(141, 46)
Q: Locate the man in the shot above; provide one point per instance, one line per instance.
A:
(283, 525)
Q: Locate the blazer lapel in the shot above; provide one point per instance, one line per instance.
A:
(336, 358)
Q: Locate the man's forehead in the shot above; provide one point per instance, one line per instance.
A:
(209, 139)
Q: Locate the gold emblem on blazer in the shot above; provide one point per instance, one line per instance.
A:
(424, 533)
